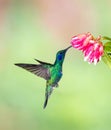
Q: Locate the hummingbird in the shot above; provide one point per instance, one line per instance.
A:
(52, 73)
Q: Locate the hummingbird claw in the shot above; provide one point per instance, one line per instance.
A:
(57, 85)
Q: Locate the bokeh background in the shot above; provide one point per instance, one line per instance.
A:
(38, 29)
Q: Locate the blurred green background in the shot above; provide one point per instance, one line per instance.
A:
(38, 29)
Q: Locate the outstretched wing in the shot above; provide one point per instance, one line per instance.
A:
(39, 70)
(44, 63)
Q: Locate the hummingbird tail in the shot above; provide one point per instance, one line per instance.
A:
(48, 92)
(46, 101)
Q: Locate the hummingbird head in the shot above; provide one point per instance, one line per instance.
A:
(61, 54)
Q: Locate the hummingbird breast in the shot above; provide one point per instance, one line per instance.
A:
(56, 74)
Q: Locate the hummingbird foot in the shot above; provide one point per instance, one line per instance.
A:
(57, 85)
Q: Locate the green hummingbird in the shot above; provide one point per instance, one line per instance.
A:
(52, 73)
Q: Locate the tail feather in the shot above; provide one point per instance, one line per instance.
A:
(46, 101)
(48, 92)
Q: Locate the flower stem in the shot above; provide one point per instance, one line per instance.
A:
(106, 38)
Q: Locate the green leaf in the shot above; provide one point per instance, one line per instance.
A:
(107, 57)
(107, 44)
(106, 38)
(107, 47)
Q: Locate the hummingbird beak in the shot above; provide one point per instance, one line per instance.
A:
(67, 48)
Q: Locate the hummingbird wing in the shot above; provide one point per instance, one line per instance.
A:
(44, 63)
(39, 70)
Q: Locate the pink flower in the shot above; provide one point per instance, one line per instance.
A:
(92, 48)
(81, 40)
(93, 52)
